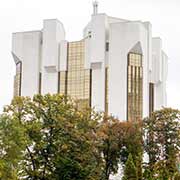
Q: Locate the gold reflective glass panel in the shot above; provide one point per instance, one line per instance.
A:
(40, 82)
(151, 98)
(17, 79)
(135, 87)
(75, 82)
(62, 84)
(106, 90)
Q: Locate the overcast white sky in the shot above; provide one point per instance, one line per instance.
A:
(25, 15)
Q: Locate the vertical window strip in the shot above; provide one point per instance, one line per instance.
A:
(18, 79)
(134, 92)
(151, 98)
(40, 82)
(106, 90)
(58, 85)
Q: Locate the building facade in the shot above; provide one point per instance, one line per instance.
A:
(117, 67)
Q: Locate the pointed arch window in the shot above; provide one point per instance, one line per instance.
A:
(134, 87)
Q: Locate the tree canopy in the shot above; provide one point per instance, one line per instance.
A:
(162, 142)
(49, 137)
(130, 171)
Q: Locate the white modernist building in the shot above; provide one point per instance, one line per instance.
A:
(117, 67)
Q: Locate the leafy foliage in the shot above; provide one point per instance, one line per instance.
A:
(162, 142)
(130, 172)
(48, 137)
(117, 142)
(177, 176)
(110, 145)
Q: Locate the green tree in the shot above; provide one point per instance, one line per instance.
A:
(130, 138)
(49, 138)
(110, 146)
(162, 141)
(177, 176)
(147, 175)
(13, 143)
(130, 172)
(118, 140)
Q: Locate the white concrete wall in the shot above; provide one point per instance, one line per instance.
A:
(159, 73)
(63, 55)
(116, 20)
(123, 37)
(17, 46)
(97, 27)
(164, 75)
(157, 60)
(95, 34)
(53, 34)
(46, 52)
(27, 47)
(98, 86)
(149, 44)
(160, 86)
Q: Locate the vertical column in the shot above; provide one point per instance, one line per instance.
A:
(53, 34)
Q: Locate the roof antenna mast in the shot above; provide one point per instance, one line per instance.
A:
(95, 7)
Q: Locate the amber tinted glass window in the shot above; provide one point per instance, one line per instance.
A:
(151, 98)
(40, 81)
(17, 79)
(135, 87)
(106, 89)
(75, 82)
(62, 78)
